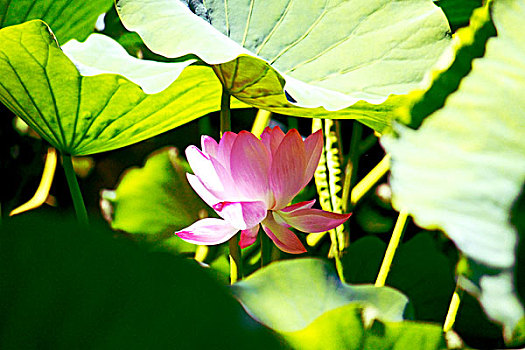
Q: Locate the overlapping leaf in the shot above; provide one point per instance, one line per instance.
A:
(304, 300)
(68, 19)
(464, 167)
(87, 112)
(286, 56)
(347, 327)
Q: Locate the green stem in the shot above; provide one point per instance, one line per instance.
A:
(337, 254)
(74, 188)
(453, 309)
(266, 249)
(235, 259)
(370, 180)
(225, 111)
(391, 249)
(235, 250)
(262, 120)
(351, 165)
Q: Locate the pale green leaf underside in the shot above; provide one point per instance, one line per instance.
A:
(327, 53)
(151, 76)
(289, 295)
(88, 114)
(463, 168)
(68, 19)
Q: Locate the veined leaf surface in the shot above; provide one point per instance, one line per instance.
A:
(291, 56)
(92, 111)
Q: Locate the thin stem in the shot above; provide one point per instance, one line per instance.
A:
(235, 250)
(262, 120)
(225, 111)
(391, 249)
(201, 253)
(42, 191)
(337, 255)
(74, 188)
(453, 309)
(351, 164)
(266, 249)
(370, 180)
(235, 259)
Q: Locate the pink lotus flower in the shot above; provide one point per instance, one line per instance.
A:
(250, 181)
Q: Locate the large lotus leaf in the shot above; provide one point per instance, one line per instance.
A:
(282, 55)
(304, 300)
(347, 327)
(155, 201)
(464, 167)
(288, 295)
(68, 19)
(67, 286)
(80, 113)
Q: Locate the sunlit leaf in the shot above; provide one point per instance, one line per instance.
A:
(462, 170)
(307, 304)
(345, 328)
(81, 113)
(155, 201)
(68, 19)
(289, 295)
(69, 286)
(456, 62)
(290, 56)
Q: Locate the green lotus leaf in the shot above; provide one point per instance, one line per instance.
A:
(463, 169)
(288, 295)
(155, 200)
(456, 62)
(304, 58)
(68, 19)
(96, 109)
(72, 286)
(348, 327)
(306, 303)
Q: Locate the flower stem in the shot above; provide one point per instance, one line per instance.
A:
(351, 164)
(337, 255)
(225, 111)
(201, 253)
(235, 250)
(235, 259)
(391, 249)
(74, 188)
(266, 249)
(453, 309)
(262, 120)
(370, 180)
